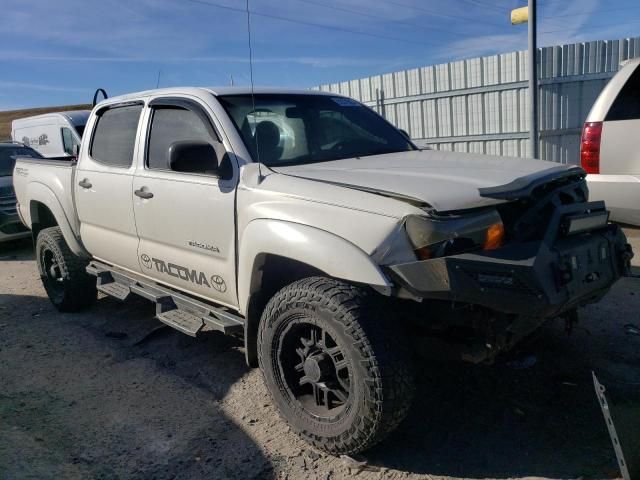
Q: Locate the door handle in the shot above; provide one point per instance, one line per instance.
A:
(85, 183)
(143, 193)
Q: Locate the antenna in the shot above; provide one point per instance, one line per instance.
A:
(95, 96)
(253, 98)
(158, 81)
(231, 79)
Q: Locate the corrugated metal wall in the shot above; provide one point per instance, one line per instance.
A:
(481, 104)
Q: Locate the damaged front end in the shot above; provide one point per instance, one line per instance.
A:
(540, 255)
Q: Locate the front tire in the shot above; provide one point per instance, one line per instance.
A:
(69, 287)
(335, 367)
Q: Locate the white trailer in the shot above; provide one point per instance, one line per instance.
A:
(53, 135)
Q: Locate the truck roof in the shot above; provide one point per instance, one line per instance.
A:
(246, 90)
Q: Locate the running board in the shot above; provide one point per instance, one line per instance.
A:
(182, 312)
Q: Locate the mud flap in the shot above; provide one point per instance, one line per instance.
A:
(623, 423)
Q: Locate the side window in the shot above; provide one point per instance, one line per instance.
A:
(68, 141)
(626, 106)
(171, 125)
(114, 136)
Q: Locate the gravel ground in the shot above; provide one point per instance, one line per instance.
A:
(110, 393)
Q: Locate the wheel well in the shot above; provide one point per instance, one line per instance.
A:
(270, 274)
(41, 217)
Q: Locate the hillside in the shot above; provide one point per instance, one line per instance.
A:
(7, 117)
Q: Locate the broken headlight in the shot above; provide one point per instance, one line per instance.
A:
(434, 237)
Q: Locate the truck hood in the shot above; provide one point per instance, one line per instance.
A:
(445, 181)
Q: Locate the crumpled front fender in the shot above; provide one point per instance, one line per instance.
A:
(329, 253)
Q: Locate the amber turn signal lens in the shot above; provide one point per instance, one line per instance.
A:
(424, 253)
(495, 237)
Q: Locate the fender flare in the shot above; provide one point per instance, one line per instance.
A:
(39, 192)
(318, 248)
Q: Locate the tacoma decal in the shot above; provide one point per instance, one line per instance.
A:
(204, 246)
(183, 273)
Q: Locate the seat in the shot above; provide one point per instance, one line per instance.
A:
(267, 137)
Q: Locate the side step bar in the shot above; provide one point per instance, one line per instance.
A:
(177, 310)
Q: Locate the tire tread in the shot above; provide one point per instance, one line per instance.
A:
(80, 287)
(389, 380)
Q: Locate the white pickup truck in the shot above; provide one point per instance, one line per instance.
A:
(312, 227)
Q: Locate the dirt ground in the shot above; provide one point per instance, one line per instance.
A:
(109, 393)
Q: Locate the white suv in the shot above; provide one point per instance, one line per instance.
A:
(610, 146)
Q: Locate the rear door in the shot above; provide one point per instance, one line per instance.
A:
(103, 186)
(186, 219)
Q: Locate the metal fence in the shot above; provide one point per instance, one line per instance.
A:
(481, 104)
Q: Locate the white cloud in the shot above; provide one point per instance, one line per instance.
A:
(317, 62)
(41, 87)
(482, 45)
(570, 31)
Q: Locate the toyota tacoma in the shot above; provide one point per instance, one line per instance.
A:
(310, 226)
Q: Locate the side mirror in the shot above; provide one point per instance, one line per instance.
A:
(193, 156)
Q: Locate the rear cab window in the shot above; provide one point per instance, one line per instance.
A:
(626, 106)
(114, 135)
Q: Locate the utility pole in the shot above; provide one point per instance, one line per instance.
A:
(518, 16)
(533, 78)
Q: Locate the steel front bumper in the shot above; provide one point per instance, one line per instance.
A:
(531, 279)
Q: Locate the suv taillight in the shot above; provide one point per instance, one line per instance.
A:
(590, 147)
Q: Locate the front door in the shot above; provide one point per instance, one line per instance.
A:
(103, 186)
(185, 212)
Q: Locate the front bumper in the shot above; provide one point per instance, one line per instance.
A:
(534, 279)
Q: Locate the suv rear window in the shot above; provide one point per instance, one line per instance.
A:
(626, 106)
(115, 135)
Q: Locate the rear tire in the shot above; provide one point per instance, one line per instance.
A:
(66, 281)
(334, 365)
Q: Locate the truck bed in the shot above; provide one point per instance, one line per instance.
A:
(47, 181)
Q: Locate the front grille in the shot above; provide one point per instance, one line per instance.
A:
(13, 228)
(528, 218)
(7, 191)
(8, 204)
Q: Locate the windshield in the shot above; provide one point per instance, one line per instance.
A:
(8, 158)
(80, 130)
(292, 129)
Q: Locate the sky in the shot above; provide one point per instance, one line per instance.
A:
(58, 52)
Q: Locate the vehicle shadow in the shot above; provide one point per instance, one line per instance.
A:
(534, 413)
(152, 397)
(125, 398)
(17, 250)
